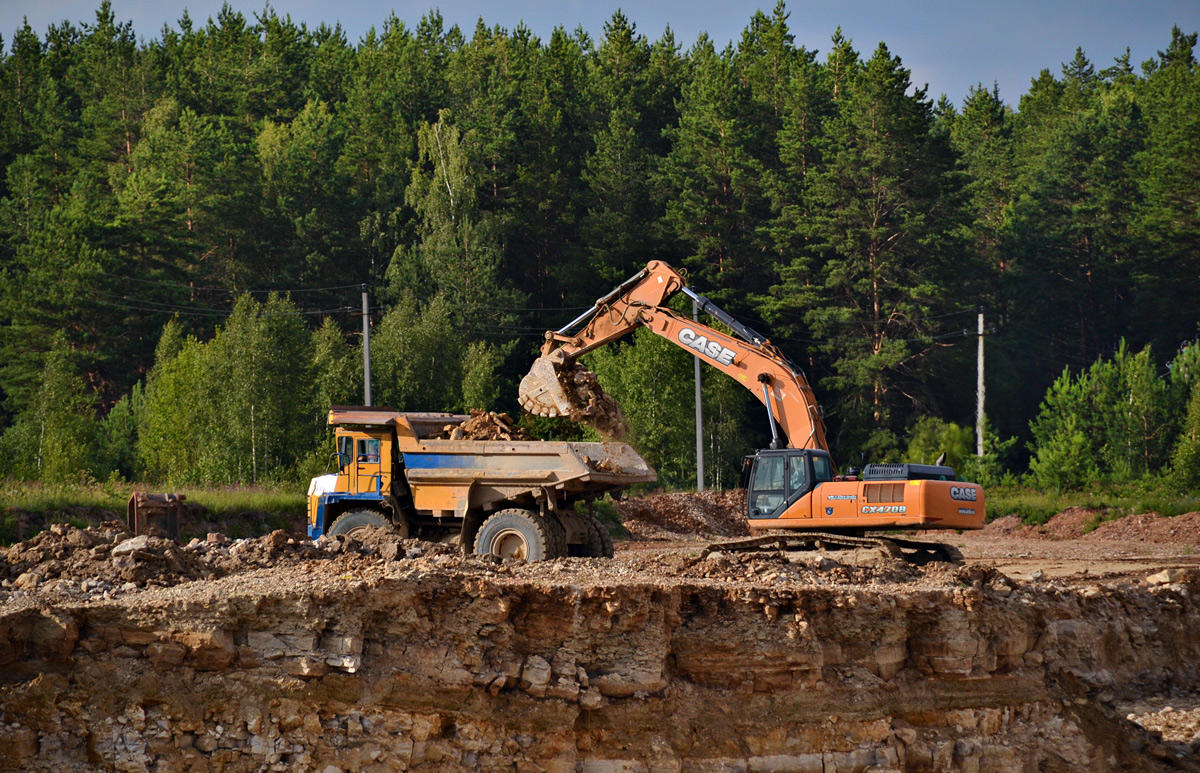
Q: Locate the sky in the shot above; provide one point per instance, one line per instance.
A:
(949, 45)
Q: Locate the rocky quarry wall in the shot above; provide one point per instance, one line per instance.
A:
(431, 661)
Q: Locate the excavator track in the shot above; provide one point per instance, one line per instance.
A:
(912, 551)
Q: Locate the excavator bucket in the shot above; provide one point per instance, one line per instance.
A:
(541, 392)
(554, 389)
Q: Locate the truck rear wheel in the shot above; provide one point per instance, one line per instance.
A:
(516, 534)
(354, 521)
(603, 539)
(599, 542)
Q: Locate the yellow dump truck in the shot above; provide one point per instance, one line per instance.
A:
(515, 499)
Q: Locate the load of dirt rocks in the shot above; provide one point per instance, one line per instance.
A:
(685, 515)
(485, 425)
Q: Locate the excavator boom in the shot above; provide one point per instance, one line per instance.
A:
(551, 386)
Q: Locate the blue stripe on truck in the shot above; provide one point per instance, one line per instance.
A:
(440, 461)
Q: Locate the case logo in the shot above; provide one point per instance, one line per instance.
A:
(711, 349)
(964, 493)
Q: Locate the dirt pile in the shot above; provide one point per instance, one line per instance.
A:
(1098, 525)
(485, 425)
(66, 563)
(1151, 527)
(685, 515)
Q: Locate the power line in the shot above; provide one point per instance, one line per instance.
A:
(186, 286)
(800, 316)
(149, 306)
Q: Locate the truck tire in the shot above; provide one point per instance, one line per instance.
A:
(604, 542)
(357, 520)
(599, 541)
(517, 534)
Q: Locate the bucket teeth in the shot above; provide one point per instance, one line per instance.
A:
(541, 393)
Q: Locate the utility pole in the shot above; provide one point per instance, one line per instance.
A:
(699, 412)
(979, 392)
(366, 347)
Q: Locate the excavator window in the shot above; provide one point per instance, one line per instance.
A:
(780, 478)
(797, 474)
(769, 488)
(822, 469)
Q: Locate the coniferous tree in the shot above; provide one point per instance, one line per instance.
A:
(1167, 223)
(883, 223)
(711, 181)
(618, 226)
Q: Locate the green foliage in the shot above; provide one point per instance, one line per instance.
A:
(1067, 459)
(415, 357)
(480, 385)
(55, 439)
(491, 185)
(989, 469)
(1185, 461)
(117, 451)
(236, 408)
(652, 379)
(1115, 421)
(931, 437)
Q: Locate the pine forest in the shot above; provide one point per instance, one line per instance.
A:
(188, 221)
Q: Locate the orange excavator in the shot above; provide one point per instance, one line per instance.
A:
(795, 499)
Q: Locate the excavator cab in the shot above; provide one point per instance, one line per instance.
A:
(780, 477)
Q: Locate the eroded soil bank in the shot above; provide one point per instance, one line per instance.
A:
(398, 655)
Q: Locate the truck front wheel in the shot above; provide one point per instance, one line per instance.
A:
(358, 520)
(516, 534)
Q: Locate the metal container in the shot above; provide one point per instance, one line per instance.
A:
(156, 515)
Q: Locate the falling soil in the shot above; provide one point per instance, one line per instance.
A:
(280, 653)
(590, 404)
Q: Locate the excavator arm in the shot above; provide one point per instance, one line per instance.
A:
(550, 388)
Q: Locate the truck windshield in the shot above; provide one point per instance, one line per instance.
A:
(345, 447)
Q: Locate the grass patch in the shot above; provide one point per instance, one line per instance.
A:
(238, 511)
(1112, 501)
(606, 512)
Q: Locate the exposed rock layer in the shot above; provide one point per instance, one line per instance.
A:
(441, 663)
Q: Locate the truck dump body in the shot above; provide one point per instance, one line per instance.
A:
(460, 475)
